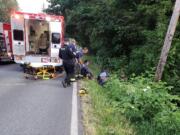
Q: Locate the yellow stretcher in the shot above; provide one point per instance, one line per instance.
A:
(45, 72)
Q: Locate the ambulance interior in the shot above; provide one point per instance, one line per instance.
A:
(38, 37)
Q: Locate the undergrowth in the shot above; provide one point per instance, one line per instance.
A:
(136, 106)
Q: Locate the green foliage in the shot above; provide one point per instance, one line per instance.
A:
(138, 106)
(126, 36)
(146, 104)
(6, 8)
(124, 33)
(107, 120)
(172, 74)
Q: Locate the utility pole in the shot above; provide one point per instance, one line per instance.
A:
(168, 41)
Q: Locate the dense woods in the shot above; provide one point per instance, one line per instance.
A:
(126, 37)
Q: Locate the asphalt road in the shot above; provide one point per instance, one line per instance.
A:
(29, 107)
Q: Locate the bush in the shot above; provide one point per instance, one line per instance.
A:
(108, 120)
(143, 101)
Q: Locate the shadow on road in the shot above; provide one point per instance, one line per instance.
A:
(6, 63)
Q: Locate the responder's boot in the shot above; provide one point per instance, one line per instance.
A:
(72, 79)
(64, 84)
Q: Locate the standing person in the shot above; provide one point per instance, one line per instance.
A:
(68, 57)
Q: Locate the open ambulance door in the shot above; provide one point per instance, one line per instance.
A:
(7, 35)
(55, 34)
(18, 38)
(2, 45)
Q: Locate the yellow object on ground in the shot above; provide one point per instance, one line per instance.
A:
(82, 92)
(44, 73)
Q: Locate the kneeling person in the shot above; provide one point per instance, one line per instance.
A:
(85, 70)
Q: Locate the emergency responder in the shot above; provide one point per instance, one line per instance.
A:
(79, 63)
(68, 57)
(85, 70)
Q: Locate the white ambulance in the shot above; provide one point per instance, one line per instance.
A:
(37, 38)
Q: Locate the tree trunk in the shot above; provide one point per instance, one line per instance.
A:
(168, 41)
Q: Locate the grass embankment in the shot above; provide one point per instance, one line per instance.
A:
(100, 117)
(138, 106)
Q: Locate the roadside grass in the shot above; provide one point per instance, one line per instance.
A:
(138, 106)
(104, 116)
(99, 116)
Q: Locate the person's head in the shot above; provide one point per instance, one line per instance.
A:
(103, 69)
(85, 50)
(86, 62)
(73, 42)
(66, 42)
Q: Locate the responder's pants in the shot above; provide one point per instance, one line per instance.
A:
(69, 69)
(77, 68)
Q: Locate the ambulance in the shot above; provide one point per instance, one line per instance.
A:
(5, 43)
(37, 38)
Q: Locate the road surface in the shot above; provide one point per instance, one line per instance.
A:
(29, 107)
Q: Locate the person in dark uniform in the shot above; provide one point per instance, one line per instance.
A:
(85, 70)
(68, 57)
(79, 63)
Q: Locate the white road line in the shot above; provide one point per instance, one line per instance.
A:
(74, 114)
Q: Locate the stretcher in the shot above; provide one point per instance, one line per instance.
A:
(45, 72)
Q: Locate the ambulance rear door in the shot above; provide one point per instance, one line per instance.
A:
(18, 38)
(55, 34)
(2, 45)
(7, 35)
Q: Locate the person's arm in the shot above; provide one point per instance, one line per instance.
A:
(70, 53)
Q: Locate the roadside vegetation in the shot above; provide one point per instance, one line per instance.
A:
(137, 106)
(6, 9)
(126, 37)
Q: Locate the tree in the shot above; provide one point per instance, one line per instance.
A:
(168, 41)
(59, 7)
(6, 8)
